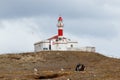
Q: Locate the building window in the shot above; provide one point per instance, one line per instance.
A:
(60, 38)
(56, 40)
(71, 46)
(45, 48)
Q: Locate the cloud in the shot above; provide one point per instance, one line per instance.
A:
(91, 27)
(70, 9)
(18, 35)
(92, 22)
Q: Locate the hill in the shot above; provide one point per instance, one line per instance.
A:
(58, 65)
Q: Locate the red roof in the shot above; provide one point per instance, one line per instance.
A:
(54, 37)
(60, 18)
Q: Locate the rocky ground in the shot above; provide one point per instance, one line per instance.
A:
(58, 65)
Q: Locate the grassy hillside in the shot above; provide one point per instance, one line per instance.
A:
(58, 65)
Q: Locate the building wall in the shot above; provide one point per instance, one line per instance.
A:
(88, 49)
(72, 45)
(55, 45)
(37, 47)
(61, 45)
(40, 46)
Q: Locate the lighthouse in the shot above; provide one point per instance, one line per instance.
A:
(57, 42)
(60, 28)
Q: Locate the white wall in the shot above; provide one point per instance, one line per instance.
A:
(88, 49)
(64, 44)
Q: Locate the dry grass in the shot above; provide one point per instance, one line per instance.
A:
(50, 63)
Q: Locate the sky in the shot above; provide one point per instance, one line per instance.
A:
(90, 22)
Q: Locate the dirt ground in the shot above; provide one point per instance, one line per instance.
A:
(58, 65)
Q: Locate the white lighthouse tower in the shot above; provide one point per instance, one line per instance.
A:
(60, 28)
(60, 42)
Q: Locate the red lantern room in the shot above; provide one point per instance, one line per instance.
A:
(60, 18)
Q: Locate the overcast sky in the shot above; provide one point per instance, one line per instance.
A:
(90, 22)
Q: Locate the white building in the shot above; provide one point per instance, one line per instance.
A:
(57, 42)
